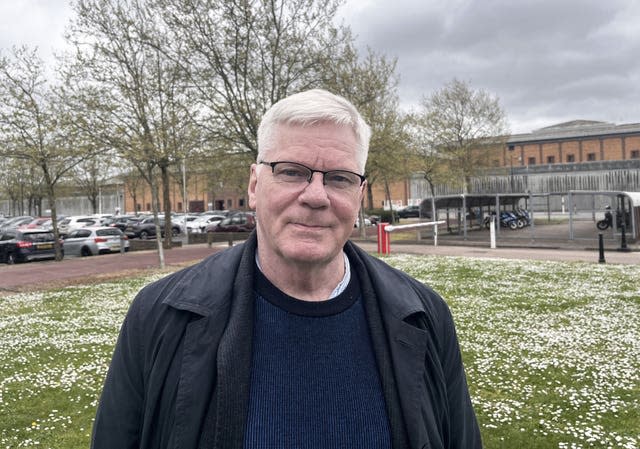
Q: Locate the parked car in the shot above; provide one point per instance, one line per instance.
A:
(200, 224)
(68, 224)
(24, 245)
(409, 211)
(13, 223)
(238, 222)
(121, 221)
(40, 222)
(184, 221)
(374, 219)
(102, 219)
(147, 229)
(95, 240)
(367, 222)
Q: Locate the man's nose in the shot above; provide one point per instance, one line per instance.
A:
(315, 193)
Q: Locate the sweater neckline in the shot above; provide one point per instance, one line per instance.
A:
(333, 306)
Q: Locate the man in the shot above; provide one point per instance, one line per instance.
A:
(296, 338)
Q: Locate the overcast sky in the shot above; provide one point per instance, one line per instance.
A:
(548, 61)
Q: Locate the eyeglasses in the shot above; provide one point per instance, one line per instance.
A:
(294, 173)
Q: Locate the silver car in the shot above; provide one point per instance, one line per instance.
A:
(95, 240)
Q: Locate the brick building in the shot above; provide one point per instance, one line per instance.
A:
(572, 155)
(200, 196)
(573, 142)
(399, 191)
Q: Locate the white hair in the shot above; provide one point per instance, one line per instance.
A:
(312, 107)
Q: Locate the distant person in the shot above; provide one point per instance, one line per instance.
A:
(296, 338)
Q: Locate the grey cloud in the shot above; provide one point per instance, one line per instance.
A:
(547, 60)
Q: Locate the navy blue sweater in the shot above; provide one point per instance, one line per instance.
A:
(314, 379)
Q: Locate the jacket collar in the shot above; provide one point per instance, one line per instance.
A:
(208, 285)
(395, 290)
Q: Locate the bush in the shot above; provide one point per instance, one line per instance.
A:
(386, 216)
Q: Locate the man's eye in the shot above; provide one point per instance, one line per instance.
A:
(344, 179)
(292, 172)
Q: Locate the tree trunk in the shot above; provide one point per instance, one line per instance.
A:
(166, 202)
(370, 196)
(363, 227)
(155, 203)
(94, 203)
(51, 197)
(387, 195)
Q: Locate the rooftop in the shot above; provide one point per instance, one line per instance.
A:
(575, 129)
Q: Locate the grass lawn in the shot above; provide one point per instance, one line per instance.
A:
(552, 352)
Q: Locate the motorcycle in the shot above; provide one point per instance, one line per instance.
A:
(607, 222)
(507, 220)
(524, 216)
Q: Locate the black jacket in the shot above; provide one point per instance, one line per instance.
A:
(179, 376)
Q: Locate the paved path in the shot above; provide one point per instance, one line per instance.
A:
(37, 275)
(568, 255)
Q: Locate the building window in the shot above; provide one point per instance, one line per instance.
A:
(571, 158)
(241, 202)
(551, 159)
(635, 154)
(179, 206)
(531, 161)
(591, 156)
(229, 203)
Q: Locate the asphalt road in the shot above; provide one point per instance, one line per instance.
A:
(46, 274)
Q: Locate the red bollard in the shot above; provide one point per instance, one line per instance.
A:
(384, 240)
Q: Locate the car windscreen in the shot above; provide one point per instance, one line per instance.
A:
(107, 232)
(38, 237)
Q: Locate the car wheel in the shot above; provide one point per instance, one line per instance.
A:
(11, 259)
(85, 252)
(175, 232)
(144, 235)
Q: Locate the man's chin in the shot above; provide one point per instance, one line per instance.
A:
(307, 253)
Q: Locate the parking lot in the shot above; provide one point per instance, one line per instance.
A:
(47, 274)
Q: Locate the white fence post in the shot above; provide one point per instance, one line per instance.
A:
(389, 229)
(492, 232)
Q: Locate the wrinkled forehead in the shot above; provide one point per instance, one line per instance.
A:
(313, 143)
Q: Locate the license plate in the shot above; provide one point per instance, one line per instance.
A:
(44, 245)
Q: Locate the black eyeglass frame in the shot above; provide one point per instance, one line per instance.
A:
(312, 171)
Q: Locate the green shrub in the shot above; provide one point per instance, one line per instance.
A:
(386, 216)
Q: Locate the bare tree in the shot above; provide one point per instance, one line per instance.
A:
(120, 53)
(35, 125)
(92, 174)
(427, 160)
(134, 185)
(15, 182)
(463, 125)
(242, 56)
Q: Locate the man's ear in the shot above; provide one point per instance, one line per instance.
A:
(251, 190)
